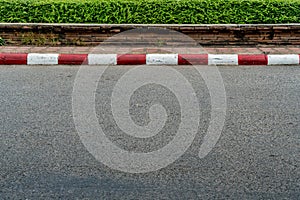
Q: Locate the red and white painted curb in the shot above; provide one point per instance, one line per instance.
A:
(147, 59)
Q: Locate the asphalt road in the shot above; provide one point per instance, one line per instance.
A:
(256, 157)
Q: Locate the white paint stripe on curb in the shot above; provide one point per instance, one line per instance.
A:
(42, 59)
(223, 59)
(102, 59)
(161, 59)
(156, 59)
(283, 59)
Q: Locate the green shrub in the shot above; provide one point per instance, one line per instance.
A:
(2, 41)
(151, 11)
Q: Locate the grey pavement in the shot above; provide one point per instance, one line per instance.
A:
(257, 49)
(256, 157)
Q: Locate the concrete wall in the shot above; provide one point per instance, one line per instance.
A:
(94, 34)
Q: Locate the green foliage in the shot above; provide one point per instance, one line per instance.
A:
(151, 11)
(2, 41)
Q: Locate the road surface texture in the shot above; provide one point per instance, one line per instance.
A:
(256, 157)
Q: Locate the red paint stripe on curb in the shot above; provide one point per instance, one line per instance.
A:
(72, 59)
(138, 59)
(13, 59)
(131, 59)
(193, 59)
(259, 59)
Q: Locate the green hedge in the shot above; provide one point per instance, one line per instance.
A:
(151, 11)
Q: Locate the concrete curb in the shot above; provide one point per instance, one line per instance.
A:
(147, 59)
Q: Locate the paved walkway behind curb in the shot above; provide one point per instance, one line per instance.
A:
(191, 50)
